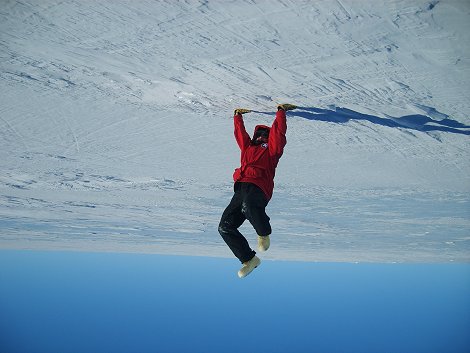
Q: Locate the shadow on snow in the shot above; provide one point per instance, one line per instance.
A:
(436, 121)
(419, 122)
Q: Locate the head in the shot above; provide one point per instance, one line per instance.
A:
(260, 135)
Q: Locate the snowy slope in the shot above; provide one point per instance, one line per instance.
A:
(116, 129)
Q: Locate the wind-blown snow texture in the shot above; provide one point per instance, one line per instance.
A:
(116, 129)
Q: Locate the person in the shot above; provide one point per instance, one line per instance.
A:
(253, 188)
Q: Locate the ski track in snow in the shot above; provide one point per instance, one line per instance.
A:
(116, 131)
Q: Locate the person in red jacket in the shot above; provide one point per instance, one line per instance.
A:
(254, 184)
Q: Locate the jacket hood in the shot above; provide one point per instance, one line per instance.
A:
(254, 139)
(257, 127)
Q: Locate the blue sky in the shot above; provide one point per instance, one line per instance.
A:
(104, 302)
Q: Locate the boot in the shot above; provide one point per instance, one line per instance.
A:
(263, 242)
(249, 266)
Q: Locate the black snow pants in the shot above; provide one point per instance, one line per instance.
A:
(248, 202)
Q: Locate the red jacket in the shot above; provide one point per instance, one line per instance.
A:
(259, 162)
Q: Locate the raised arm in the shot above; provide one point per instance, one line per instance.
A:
(242, 137)
(277, 135)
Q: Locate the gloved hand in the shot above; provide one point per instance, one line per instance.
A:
(241, 111)
(286, 107)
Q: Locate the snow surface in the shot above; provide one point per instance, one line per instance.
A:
(116, 125)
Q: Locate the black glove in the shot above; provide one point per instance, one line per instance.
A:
(286, 107)
(241, 111)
